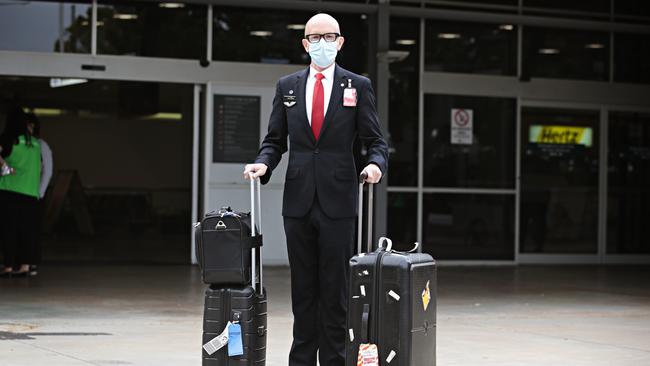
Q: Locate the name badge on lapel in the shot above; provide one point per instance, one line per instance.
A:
(289, 100)
(350, 95)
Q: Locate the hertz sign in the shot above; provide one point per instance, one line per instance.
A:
(561, 135)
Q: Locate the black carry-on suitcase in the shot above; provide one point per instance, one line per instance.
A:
(224, 243)
(245, 304)
(392, 302)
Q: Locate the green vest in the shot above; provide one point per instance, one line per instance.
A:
(26, 161)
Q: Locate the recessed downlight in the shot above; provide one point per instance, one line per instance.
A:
(405, 42)
(122, 16)
(449, 35)
(548, 51)
(261, 33)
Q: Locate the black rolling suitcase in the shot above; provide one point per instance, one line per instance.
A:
(391, 304)
(243, 304)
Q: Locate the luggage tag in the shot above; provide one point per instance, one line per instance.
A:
(350, 95)
(235, 344)
(368, 355)
(217, 342)
(289, 100)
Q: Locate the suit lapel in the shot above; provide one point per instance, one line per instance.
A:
(336, 99)
(301, 83)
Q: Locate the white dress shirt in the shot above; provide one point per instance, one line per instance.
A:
(328, 83)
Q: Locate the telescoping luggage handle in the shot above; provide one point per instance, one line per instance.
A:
(256, 210)
(362, 179)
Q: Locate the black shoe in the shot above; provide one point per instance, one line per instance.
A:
(4, 274)
(20, 274)
(33, 270)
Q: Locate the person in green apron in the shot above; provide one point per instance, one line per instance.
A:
(19, 193)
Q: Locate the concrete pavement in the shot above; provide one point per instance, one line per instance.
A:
(151, 315)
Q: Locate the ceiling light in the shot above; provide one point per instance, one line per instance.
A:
(448, 35)
(548, 51)
(59, 82)
(42, 112)
(85, 23)
(595, 46)
(125, 16)
(296, 26)
(171, 5)
(506, 27)
(405, 42)
(261, 33)
(165, 115)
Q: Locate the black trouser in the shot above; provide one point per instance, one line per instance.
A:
(20, 228)
(319, 252)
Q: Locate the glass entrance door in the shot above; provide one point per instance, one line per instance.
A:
(628, 183)
(559, 181)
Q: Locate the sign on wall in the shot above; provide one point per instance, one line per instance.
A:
(462, 121)
(236, 128)
(560, 135)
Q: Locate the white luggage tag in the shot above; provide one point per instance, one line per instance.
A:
(368, 355)
(350, 95)
(217, 342)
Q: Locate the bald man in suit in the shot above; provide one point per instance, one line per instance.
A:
(322, 110)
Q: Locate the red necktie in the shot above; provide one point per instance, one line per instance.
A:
(317, 107)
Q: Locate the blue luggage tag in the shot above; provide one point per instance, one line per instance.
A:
(235, 346)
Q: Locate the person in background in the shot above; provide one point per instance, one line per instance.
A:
(19, 192)
(47, 167)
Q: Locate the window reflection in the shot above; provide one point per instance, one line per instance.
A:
(404, 101)
(402, 219)
(151, 29)
(632, 8)
(469, 226)
(471, 48)
(631, 58)
(559, 181)
(592, 6)
(566, 54)
(486, 159)
(45, 26)
(274, 36)
(628, 204)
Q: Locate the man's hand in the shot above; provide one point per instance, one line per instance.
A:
(373, 173)
(258, 170)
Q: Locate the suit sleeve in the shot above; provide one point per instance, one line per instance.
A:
(275, 142)
(369, 129)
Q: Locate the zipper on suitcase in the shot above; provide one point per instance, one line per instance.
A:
(227, 296)
(377, 299)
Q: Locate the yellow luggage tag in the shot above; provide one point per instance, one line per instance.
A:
(368, 355)
(426, 296)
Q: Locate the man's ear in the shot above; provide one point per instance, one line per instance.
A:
(305, 45)
(340, 41)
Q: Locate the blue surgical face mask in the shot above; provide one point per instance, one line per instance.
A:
(323, 53)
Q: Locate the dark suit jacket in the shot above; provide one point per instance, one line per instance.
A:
(325, 167)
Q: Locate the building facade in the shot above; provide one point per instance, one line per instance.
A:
(519, 129)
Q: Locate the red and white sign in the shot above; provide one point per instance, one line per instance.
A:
(462, 125)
